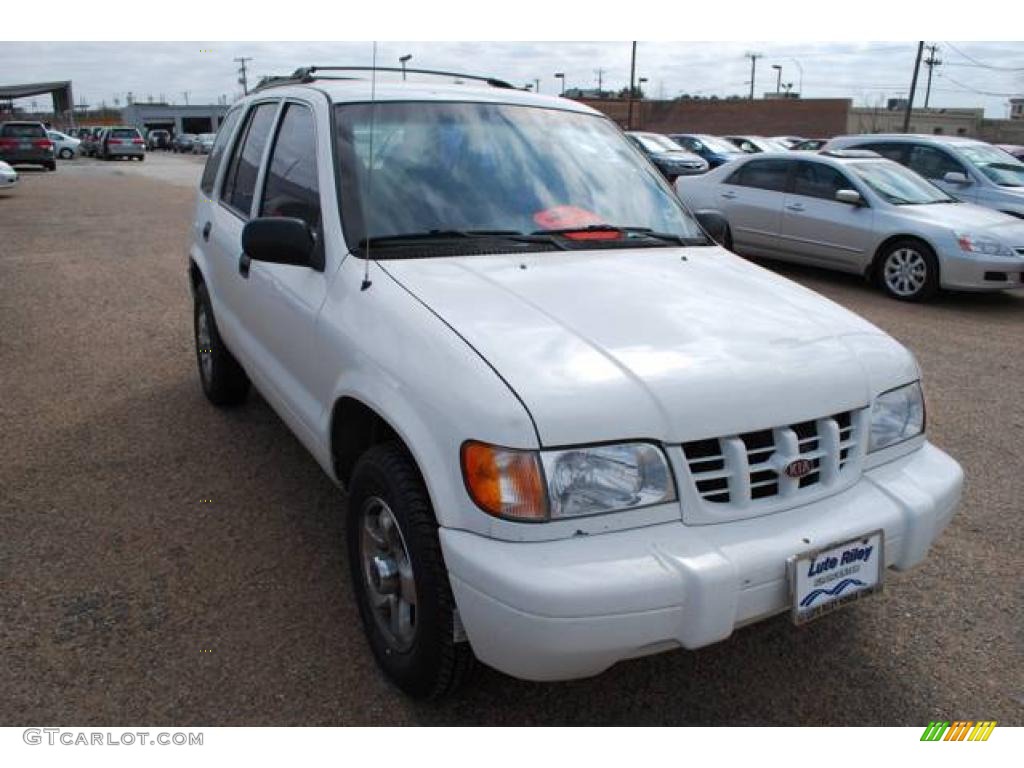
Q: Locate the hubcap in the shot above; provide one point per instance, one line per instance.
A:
(905, 271)
(387, 571)
(203, 343)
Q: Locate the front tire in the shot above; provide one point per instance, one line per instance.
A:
(66, 154)
(399, 576)
(908, 270)
(224, 381)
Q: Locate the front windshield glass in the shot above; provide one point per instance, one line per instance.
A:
(472, 167)
(999, 166)
(654, 142)
(716, 144)
(897, 184)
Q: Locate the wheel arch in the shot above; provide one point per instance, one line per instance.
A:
(872, 269)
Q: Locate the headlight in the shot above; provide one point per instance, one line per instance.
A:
(986, 246)
(897, 415)
(550, 485)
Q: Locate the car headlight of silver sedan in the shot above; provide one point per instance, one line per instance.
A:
(982, 245)
(537, 486)
(896, 415)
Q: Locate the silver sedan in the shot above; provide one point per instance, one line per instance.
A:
(853, 211)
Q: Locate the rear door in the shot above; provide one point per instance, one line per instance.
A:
(751, 199)
(228, 216)
(818, 227)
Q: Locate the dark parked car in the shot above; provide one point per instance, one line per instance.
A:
(26, 143)
(713, 149)
(809, 145)
(671, 159)
(159, 138)
(183, 142)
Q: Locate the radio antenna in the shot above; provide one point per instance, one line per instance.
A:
(369, 173)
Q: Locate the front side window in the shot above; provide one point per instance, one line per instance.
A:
(442, 167)
(1004, 170)
(217, 153)
(818, 180)
(897, 184)
(888, 150)
(932, 163)
(762, 174)
(292, 188)
(240, 181)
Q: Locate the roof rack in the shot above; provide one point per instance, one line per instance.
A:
(309, 74)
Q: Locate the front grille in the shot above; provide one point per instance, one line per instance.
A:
(745, 468)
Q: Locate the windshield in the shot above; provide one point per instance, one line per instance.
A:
(897, 184)
(654, 142)
(475, 167)
(999, 166)
(716, 144)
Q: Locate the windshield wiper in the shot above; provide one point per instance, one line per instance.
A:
(460, 234)
(636, 232)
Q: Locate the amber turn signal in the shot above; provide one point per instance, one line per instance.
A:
(504, 482)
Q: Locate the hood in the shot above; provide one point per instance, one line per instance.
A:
(660, 343)
(971, 218)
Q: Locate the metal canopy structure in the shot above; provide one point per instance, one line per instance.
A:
(60, 90)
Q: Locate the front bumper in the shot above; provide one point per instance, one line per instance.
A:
(968, 273)
(572, 608)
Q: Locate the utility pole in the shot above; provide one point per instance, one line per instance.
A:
(243, 79)
(931, 62)
(632, 89)
(913, 87)
(536, 82)
(753, 69)
(600, 81)
(185, 94)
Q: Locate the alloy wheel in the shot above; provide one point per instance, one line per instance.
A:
(905, 272)
(388, 574)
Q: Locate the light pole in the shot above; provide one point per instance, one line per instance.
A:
(778, 77)
(561, 76)
(536, 82)
(403, 60)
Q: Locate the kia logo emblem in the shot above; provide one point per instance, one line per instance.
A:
(799, 468)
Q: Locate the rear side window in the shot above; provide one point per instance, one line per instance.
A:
(217, 153)
(291, 187)
(23, 131)
(240, 182)
(124, 133)
(763, 174)
(888, 150)
(932, 163)
(819, 180)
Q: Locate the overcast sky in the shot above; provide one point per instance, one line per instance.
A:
(972, 74)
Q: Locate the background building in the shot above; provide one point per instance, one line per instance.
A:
(176, 118)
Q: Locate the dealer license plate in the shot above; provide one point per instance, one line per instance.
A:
(826, 579)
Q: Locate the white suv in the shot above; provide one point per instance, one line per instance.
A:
(572, 429)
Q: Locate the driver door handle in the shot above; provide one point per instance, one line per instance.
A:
(794, 207)
(729, 195)
(206, 231)
(244, 262)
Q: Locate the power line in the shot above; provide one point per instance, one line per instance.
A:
(969, 89)
(982, 64)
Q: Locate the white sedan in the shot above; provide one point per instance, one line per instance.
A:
(65, 147)
(854, 211)
(8, 176)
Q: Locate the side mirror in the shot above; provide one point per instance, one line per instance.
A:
(849, 196)
(714, 224)
(954, 177)
(279, 240)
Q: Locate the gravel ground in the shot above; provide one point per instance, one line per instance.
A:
(165, 562)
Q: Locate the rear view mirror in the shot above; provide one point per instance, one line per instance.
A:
(849, 196)
(954, 177)
(714, 224)
(279, 240)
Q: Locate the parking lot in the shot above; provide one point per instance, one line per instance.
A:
(163, 561)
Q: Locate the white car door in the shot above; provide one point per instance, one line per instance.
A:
(818, 227)
(751, 199)
(282, 301)
(222, 231)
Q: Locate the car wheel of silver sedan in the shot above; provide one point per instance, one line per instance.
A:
(909, 271)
